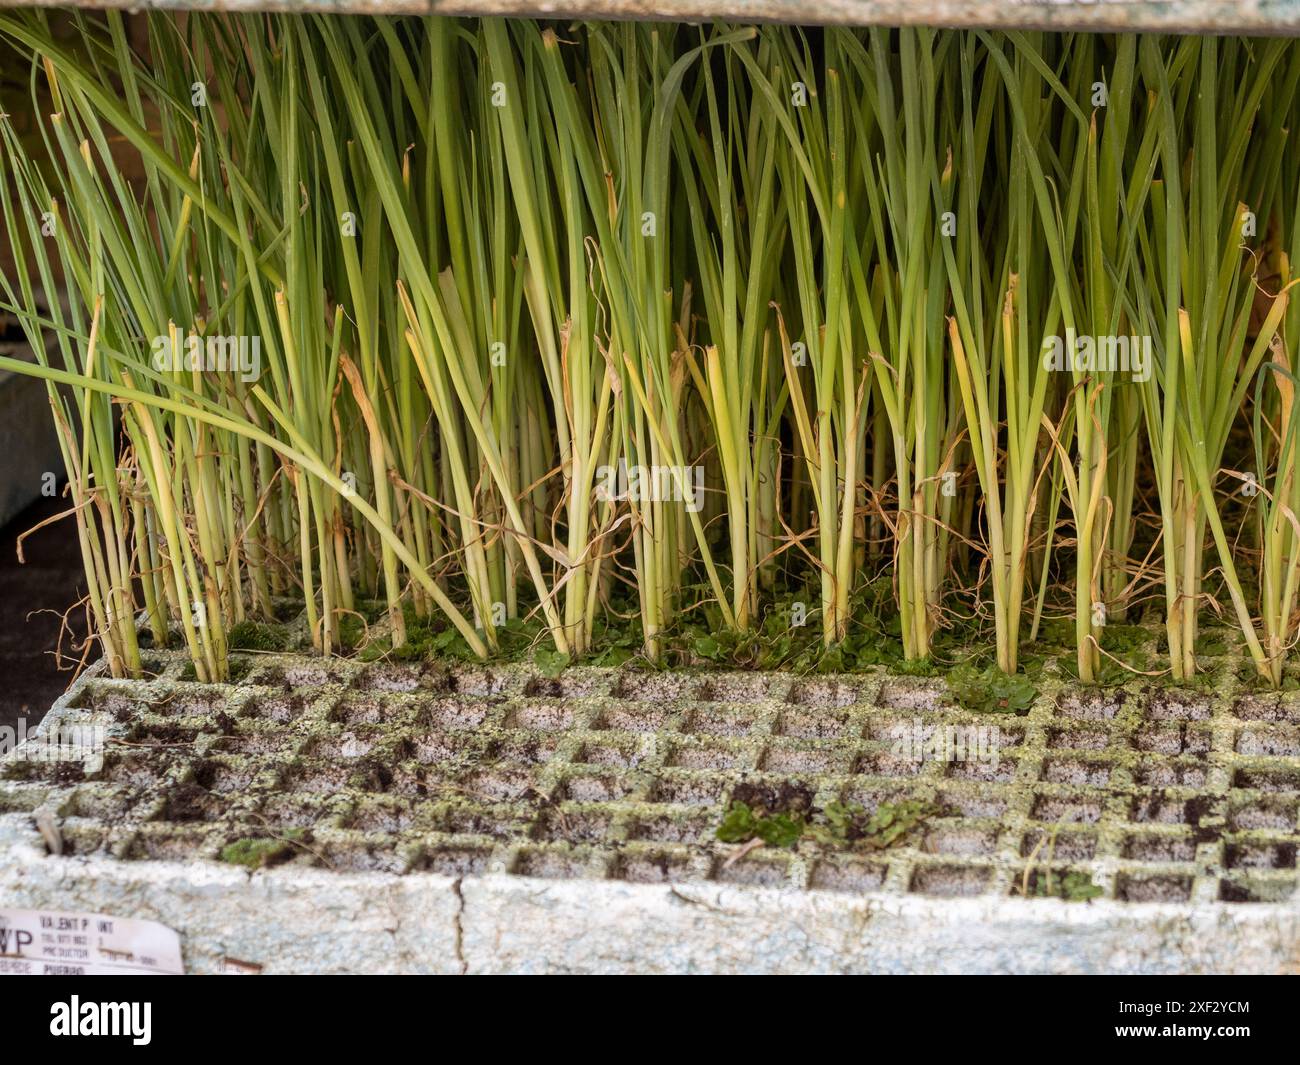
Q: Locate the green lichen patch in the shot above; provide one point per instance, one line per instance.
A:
(256, 636)
(992, 691)
(847, 824)
(839, 825)
(741, 825)
(262, 852)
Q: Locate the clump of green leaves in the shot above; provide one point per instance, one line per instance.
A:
(1124, 639)
(1111, 672)
(1248, 676)
(847, 824)
(776, 641)
(1056, 634)
(1074, 886)
(1212, 643)
(741, 824)
(992, 691)
(260, 853)
(839, 825)
(550, 662)
(255, 636)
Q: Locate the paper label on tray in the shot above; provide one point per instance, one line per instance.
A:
(58, 943)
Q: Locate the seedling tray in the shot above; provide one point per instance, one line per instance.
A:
(1135, 827)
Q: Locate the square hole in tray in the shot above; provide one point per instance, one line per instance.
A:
(972, 803)
(394, 677)
(846, 874)
(1266, 813)
(1076, 771)
(738, 688)
(706, 755)
(1266, 708)
(1135, 887)
(498, 822)
(1280, 779)
(1270, 742)
(781, 759)
(919, 696)
(281, 709)
(1066, 808)
(1245, 888)
(633, 718)
(951, 881)
(552, 863)
(574, 825)
(654, 687)
(596, 788)
(717, 721)
(541, 715)
(1161, 848)
(500, 784)
(687, 791)
(673, 828)
(457, 861)
(961, 841)
(1003, 770)
(813, 724)
(1078, 738)
(825, 692)
(571, 685)
(1257, 854)
(1163, 809)
(609, 754)
(1090, 705)
(478, 682)
(1173, 739)
(524, 749)
(1068, 846)
(1153, 772)
(884, 764)
(755, 870)
(652, 867)
(1177, 706)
